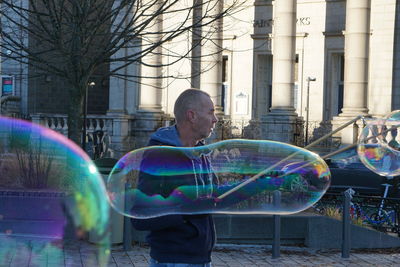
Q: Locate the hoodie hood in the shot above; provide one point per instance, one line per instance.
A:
(167, 136)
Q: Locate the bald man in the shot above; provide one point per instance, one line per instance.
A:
(183, 240)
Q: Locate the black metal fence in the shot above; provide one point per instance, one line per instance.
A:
(252, 129)
(376, 212)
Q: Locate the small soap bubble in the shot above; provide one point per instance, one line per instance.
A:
(52, 198)
(393, 116)
(231, 177)
(392, 124)
(378, 146)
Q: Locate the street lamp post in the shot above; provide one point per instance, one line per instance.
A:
(85, 100)
(309, 79)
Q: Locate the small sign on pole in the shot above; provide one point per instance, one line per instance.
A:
(241, 104)
(7, 85)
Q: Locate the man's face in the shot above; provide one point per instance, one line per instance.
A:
(205, 117)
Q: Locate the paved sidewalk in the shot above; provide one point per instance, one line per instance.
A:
(31, 252)
(261, 256)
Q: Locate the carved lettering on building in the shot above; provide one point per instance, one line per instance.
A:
(304, 21)
(263, 23)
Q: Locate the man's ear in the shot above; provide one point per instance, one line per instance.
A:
(190, 115)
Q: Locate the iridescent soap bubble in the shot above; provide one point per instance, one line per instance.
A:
(51, 198)
(391, 125)
(393, 116)
(378, 146)
(231, 177)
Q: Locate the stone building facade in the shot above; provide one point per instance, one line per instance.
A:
(278, 66)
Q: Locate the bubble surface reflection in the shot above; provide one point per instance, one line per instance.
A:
(166, 180)
(51, 195)
(378, 147)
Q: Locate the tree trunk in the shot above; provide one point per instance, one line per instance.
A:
(75, 114)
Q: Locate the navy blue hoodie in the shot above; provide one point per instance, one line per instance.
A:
(178, 238)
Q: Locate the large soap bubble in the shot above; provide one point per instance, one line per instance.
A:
(233, 176)
(51, 198)
(378, 146)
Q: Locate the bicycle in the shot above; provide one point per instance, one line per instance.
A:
(382, 219)
(372, 211)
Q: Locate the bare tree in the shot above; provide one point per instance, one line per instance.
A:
(74, 39)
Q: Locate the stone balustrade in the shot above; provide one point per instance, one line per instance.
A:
(58, 122)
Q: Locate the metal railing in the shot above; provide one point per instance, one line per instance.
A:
(252, 129)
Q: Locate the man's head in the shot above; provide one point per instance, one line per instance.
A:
(195, 114)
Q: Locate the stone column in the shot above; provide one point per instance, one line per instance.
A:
(121, 104)
(356, 57)
(211, 53)
(262, 73)
(281, 124)
(151, 67)
(284, 53)
(196, 46)
(121, 111)
(149, 113)
(357, 35)
(210, 63)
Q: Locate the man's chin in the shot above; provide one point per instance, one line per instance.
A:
(209, 134)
